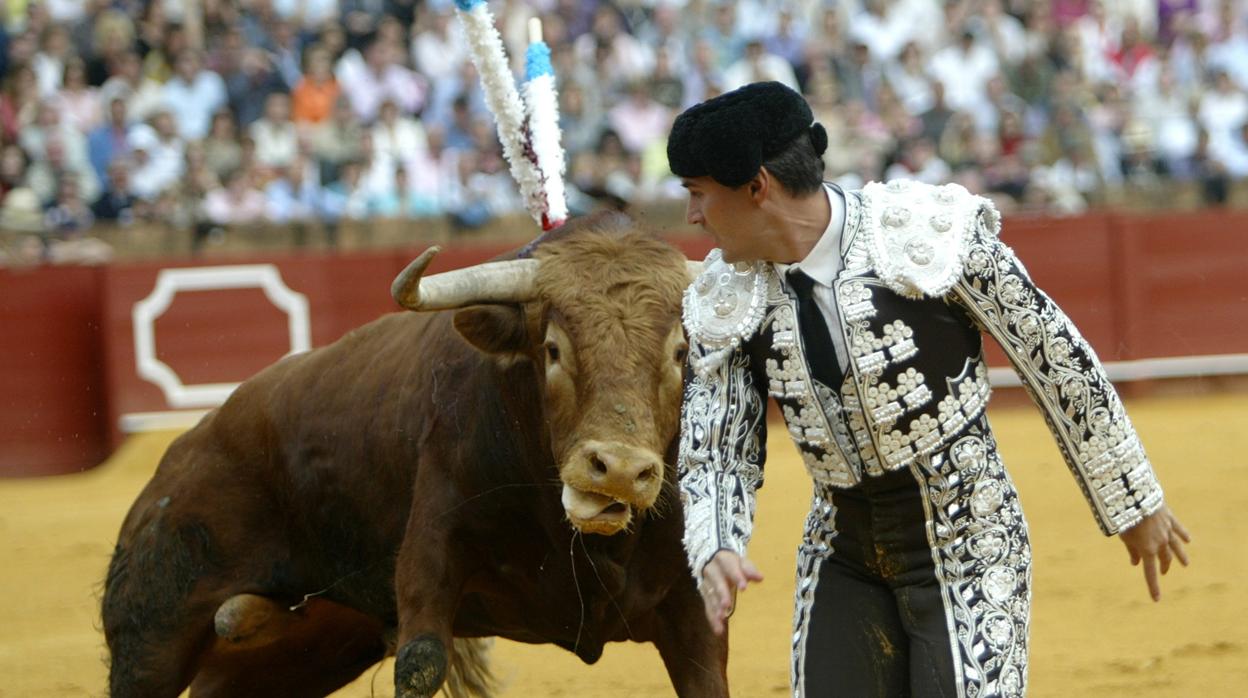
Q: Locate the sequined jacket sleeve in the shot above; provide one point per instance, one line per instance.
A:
(1065, 379)
(722, 449)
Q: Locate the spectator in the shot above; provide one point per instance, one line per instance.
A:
(159, 154)
(439, 49)
(238, 202)
(1221, 112)
(277, 143)
(112, 36)
(397, 138)
(78, 102)
(639, 120)
(337, 141)
(910, 81)
(251, 84)
(296, 195)
(13, 165)
(964, 70)
(68, 215)
(347, 197)
(19, 102)
(193, 94)
(55, 49)
(222, 151)
(117, 204)
(110, 140)
(144, 96)
(371, 78)
(312, 100)
(757, 65)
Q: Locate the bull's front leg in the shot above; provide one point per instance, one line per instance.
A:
(696, 658)
(428, 584)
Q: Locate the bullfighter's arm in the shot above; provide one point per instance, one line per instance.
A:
(1063, 376)
(722, 449)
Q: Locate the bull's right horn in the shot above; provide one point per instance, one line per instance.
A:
(510, 281)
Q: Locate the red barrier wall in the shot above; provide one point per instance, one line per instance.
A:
(1137, 287)
(52, 399)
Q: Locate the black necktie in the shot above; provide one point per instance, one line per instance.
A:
(820, 352)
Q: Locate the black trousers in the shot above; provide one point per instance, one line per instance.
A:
(916, 583)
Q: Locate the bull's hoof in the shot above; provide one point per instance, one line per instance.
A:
(420, 668)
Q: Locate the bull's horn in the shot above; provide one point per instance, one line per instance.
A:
(509, 281)
(695, 268)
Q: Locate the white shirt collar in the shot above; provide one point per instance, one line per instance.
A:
(824, 261)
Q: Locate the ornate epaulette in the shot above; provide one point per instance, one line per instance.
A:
(724, 306)
(918, 234)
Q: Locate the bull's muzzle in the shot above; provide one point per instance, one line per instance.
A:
(604, 483)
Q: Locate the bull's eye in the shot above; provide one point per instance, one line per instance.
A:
(552, 352)
(681, 352)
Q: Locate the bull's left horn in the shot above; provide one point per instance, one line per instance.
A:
(510, 281)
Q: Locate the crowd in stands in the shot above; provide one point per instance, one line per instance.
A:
(205, 114)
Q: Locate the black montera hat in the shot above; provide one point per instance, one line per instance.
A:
(729, 137)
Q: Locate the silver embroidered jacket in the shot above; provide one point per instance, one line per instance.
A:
(924, 274)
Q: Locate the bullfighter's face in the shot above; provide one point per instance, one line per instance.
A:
(727, 214)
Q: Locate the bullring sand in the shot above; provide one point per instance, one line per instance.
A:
(1094, 630)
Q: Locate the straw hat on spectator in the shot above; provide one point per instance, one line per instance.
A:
(21, 212)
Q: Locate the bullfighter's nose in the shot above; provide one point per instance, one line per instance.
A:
(622, 471)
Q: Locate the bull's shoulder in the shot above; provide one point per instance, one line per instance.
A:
(726, 303)
(917, 235)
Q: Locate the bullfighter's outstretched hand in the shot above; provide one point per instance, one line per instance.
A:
(1157, 540)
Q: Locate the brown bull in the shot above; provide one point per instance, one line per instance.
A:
(430, 476)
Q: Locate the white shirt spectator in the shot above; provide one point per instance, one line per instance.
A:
(964, 72)
(1222, 111)
(759, 66)
(194, 103)
(399, 140)
(884, 32)
(310, 14)
(438, 52)
(1175, 136)
(1231, 56)
(277, 143)
(159, 163)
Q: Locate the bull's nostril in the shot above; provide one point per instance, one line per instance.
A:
(599, 467)
(647, 474)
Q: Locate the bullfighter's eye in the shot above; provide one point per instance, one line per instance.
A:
(681, 352)
(552, 352)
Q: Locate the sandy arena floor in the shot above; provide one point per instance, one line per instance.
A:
(1094, 630)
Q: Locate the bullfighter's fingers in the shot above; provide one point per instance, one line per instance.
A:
(1177, 546)
(1150, 576)
(751, 571)
(1164, 556)
(1177, 527)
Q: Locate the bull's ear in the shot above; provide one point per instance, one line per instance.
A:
(497, 330)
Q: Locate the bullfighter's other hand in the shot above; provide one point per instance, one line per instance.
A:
(722, 577)
(1157, 538)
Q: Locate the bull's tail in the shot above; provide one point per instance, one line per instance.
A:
(469, 673)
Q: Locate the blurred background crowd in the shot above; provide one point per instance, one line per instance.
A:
(205, 114)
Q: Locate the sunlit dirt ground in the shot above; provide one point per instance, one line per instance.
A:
(1094, 630)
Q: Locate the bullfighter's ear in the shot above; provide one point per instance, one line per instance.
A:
(498, 330)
